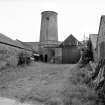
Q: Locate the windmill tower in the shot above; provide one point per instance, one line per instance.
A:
(49, 30)
(48, 33)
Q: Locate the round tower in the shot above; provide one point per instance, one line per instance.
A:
(48, 35)
(49, 29)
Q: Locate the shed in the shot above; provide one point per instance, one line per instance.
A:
(70, 50)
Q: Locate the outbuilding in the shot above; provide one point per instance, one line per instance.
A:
(70, 50)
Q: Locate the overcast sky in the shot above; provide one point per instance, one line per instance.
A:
(21, 19)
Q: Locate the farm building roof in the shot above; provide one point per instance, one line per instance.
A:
(14, 43)
(70, 41)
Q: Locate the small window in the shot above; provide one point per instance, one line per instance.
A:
(47, 18)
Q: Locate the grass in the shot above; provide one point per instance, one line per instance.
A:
(48, 84)
(75, 91)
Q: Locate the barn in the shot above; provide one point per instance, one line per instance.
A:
(49, 47)
(70, 50)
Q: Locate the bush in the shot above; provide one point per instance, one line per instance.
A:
(23, 58)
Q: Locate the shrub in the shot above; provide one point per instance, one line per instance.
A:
(23, 58)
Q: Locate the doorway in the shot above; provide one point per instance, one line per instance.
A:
(46, 57)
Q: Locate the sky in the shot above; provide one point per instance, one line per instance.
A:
(21, 19)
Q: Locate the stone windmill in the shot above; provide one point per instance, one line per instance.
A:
(48, 34)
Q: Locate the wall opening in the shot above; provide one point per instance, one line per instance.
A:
(46, 57)
(41, 57)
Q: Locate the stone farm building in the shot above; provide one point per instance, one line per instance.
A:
(48, 47)
(70, 50)
(98, 41)
(9, 50)
(9, 47)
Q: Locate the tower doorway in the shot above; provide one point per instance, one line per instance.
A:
(46, 57)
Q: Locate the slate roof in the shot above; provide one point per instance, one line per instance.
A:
(26, 46)
(14, 43)
(70, 41)
(32, 45)
(5, 39)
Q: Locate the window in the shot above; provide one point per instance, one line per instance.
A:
(47, 18)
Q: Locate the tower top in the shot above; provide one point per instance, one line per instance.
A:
(49, 13)
(49, 28)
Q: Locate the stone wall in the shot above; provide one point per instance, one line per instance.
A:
(101, 39)
(9, 55)
(49, 28)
